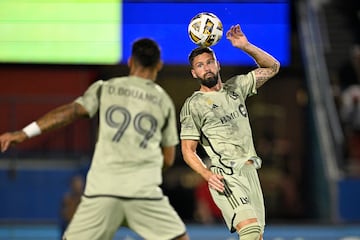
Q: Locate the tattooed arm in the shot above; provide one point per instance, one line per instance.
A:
(59, 117)
(268, 65)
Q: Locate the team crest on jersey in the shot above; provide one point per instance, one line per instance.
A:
(234, 95)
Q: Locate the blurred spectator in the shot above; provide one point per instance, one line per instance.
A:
(349, 76)
(350, 107)
(71, 200)
(349, 71)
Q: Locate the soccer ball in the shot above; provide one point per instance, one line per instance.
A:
(205, 29)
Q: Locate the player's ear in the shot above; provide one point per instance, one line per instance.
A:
(130, 61)
(193, 73)
(159, 65)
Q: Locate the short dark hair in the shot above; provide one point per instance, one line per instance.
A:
(199, 50)
(146, 52)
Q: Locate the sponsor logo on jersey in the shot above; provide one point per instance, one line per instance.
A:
(229, 117)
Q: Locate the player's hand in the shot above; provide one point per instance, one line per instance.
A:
(236, 36)
(215, 181)
(10, 138)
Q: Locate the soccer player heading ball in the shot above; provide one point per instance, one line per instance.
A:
(216, 117)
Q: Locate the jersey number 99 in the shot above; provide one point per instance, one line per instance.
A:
(144, 123)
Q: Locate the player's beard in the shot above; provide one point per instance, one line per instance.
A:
(210, 79)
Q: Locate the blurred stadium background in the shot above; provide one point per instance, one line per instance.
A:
(305, 120)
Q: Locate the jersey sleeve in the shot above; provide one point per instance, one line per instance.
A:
(189, 127)
(245, 83)
(90, 100)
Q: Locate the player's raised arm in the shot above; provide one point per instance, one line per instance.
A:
(268, 65)
(59, 117)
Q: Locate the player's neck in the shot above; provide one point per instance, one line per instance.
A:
(144, 73)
